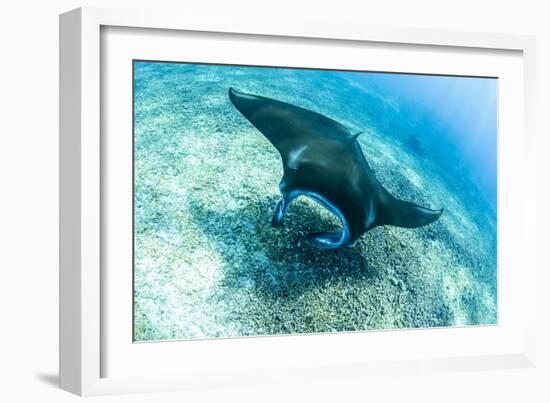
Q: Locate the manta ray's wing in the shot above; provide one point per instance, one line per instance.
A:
(291, 129)
(401, 213)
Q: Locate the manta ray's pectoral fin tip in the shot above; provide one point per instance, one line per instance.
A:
(422, 216)
(407, 215)
(245, 103)
(233, 93)
(439, 213)
(355, 136)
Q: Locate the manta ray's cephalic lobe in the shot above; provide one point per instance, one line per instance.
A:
(323, 161)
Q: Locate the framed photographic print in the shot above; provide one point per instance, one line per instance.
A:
(238, 197)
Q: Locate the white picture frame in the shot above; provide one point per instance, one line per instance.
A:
(83, 310)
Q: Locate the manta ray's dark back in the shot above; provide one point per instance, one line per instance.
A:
(323, 160)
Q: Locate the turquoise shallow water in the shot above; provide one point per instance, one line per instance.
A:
(209, 264)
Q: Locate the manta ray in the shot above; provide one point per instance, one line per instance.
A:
(323, 161)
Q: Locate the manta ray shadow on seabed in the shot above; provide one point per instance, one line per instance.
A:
(277, 260)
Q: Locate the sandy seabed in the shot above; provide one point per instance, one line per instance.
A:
(209, 264)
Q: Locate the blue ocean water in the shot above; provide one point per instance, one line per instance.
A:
(457, 116)
(208, 263)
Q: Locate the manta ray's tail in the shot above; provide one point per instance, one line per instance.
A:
(404, 214)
